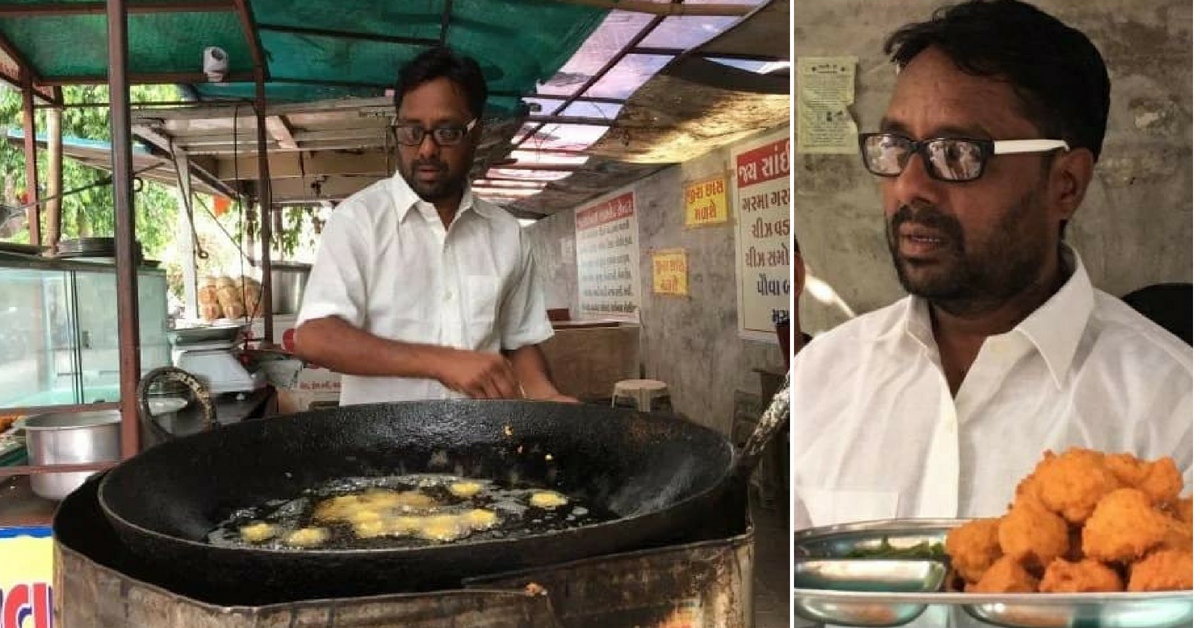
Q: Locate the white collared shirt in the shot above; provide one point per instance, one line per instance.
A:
(877, 434)
(387, 264)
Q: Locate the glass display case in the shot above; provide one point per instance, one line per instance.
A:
(58, 330)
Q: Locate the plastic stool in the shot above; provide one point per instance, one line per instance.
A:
(643, 392)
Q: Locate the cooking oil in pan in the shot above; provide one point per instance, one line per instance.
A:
(403, 511)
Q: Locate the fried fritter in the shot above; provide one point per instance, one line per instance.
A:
(1160, 479)
(1005, 576)
(1073, 483)
(973, 547)
(1165, 570)
(1084, 576)
(1124, 527)
(1033, 535)
(1183, 510)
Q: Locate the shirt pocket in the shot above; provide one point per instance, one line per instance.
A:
(482, 298)
(828, 507)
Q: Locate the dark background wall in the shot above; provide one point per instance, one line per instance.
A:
(1135, 226)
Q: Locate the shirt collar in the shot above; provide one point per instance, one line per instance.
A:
(1054, 329)
(406, 200)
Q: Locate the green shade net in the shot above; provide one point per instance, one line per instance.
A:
(517, 42)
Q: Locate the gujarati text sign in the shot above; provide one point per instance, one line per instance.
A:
(606, 246)
(705, 203)
(762, 198)
(670, 272)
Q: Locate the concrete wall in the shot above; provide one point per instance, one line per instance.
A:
(1135, 226)
(691, 344)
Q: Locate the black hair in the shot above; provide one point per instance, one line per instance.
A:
(442, 62)
(1055, 70)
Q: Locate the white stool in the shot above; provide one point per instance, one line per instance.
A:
(643, 392)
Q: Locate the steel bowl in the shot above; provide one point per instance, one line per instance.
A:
(70, 438)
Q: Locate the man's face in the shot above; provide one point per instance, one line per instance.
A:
(436, 172)
(969, 243)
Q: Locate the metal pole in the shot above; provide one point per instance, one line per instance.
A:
(122, 161)
(264, 204)
(32, 214)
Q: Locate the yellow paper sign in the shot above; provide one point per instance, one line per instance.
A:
(705, 203)
(26, 574)
(670, 272)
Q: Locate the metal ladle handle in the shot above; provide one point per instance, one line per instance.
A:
(777, 413)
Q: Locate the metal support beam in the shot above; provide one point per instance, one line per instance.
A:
(664, 10)
(252, 39)
(447, 9)
(629, 45)
(264, 205)
(122, 186)
(327, 32)
(54, 178)
(145, 78)
(34, 213)
(59, 9)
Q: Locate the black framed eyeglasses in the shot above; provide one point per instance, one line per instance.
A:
(412, 134)
(951, 159)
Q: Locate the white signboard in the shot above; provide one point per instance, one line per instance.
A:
(606, 254)
(762, 200)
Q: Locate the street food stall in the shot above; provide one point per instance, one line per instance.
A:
(287, 106)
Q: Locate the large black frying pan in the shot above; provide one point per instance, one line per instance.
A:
(660, 476)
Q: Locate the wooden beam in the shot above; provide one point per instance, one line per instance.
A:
(54, 180)
(34, 213)
(298, 164)
(333, 188)
(60, 9)
(278, 127)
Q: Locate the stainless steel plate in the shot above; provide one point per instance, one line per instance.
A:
(858, 574)
(1018, 610)
(213, 333)
(871, 605)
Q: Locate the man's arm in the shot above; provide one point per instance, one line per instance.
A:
(534, 374)
(338, 345)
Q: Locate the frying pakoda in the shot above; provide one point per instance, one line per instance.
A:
(1085, 576)
(1083, 521)
(1005, 576)
(1160, 480)
(1124, 527)
(1165, 570)
(973, 547)
(1073, 483)
(1033, 535)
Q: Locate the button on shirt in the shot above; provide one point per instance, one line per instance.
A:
(877, 433)
(386, 264)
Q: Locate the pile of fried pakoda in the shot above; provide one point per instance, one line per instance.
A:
(1083, 521)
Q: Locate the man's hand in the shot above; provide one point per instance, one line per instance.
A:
(478, 375)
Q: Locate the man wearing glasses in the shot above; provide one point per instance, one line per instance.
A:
(938, 405)
(420, 289)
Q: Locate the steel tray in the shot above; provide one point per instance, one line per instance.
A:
(883, 595)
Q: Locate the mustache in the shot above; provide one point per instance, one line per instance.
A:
(929, 217)
(429, 163)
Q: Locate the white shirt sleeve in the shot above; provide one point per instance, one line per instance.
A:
(523, 318)
(337, 283)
